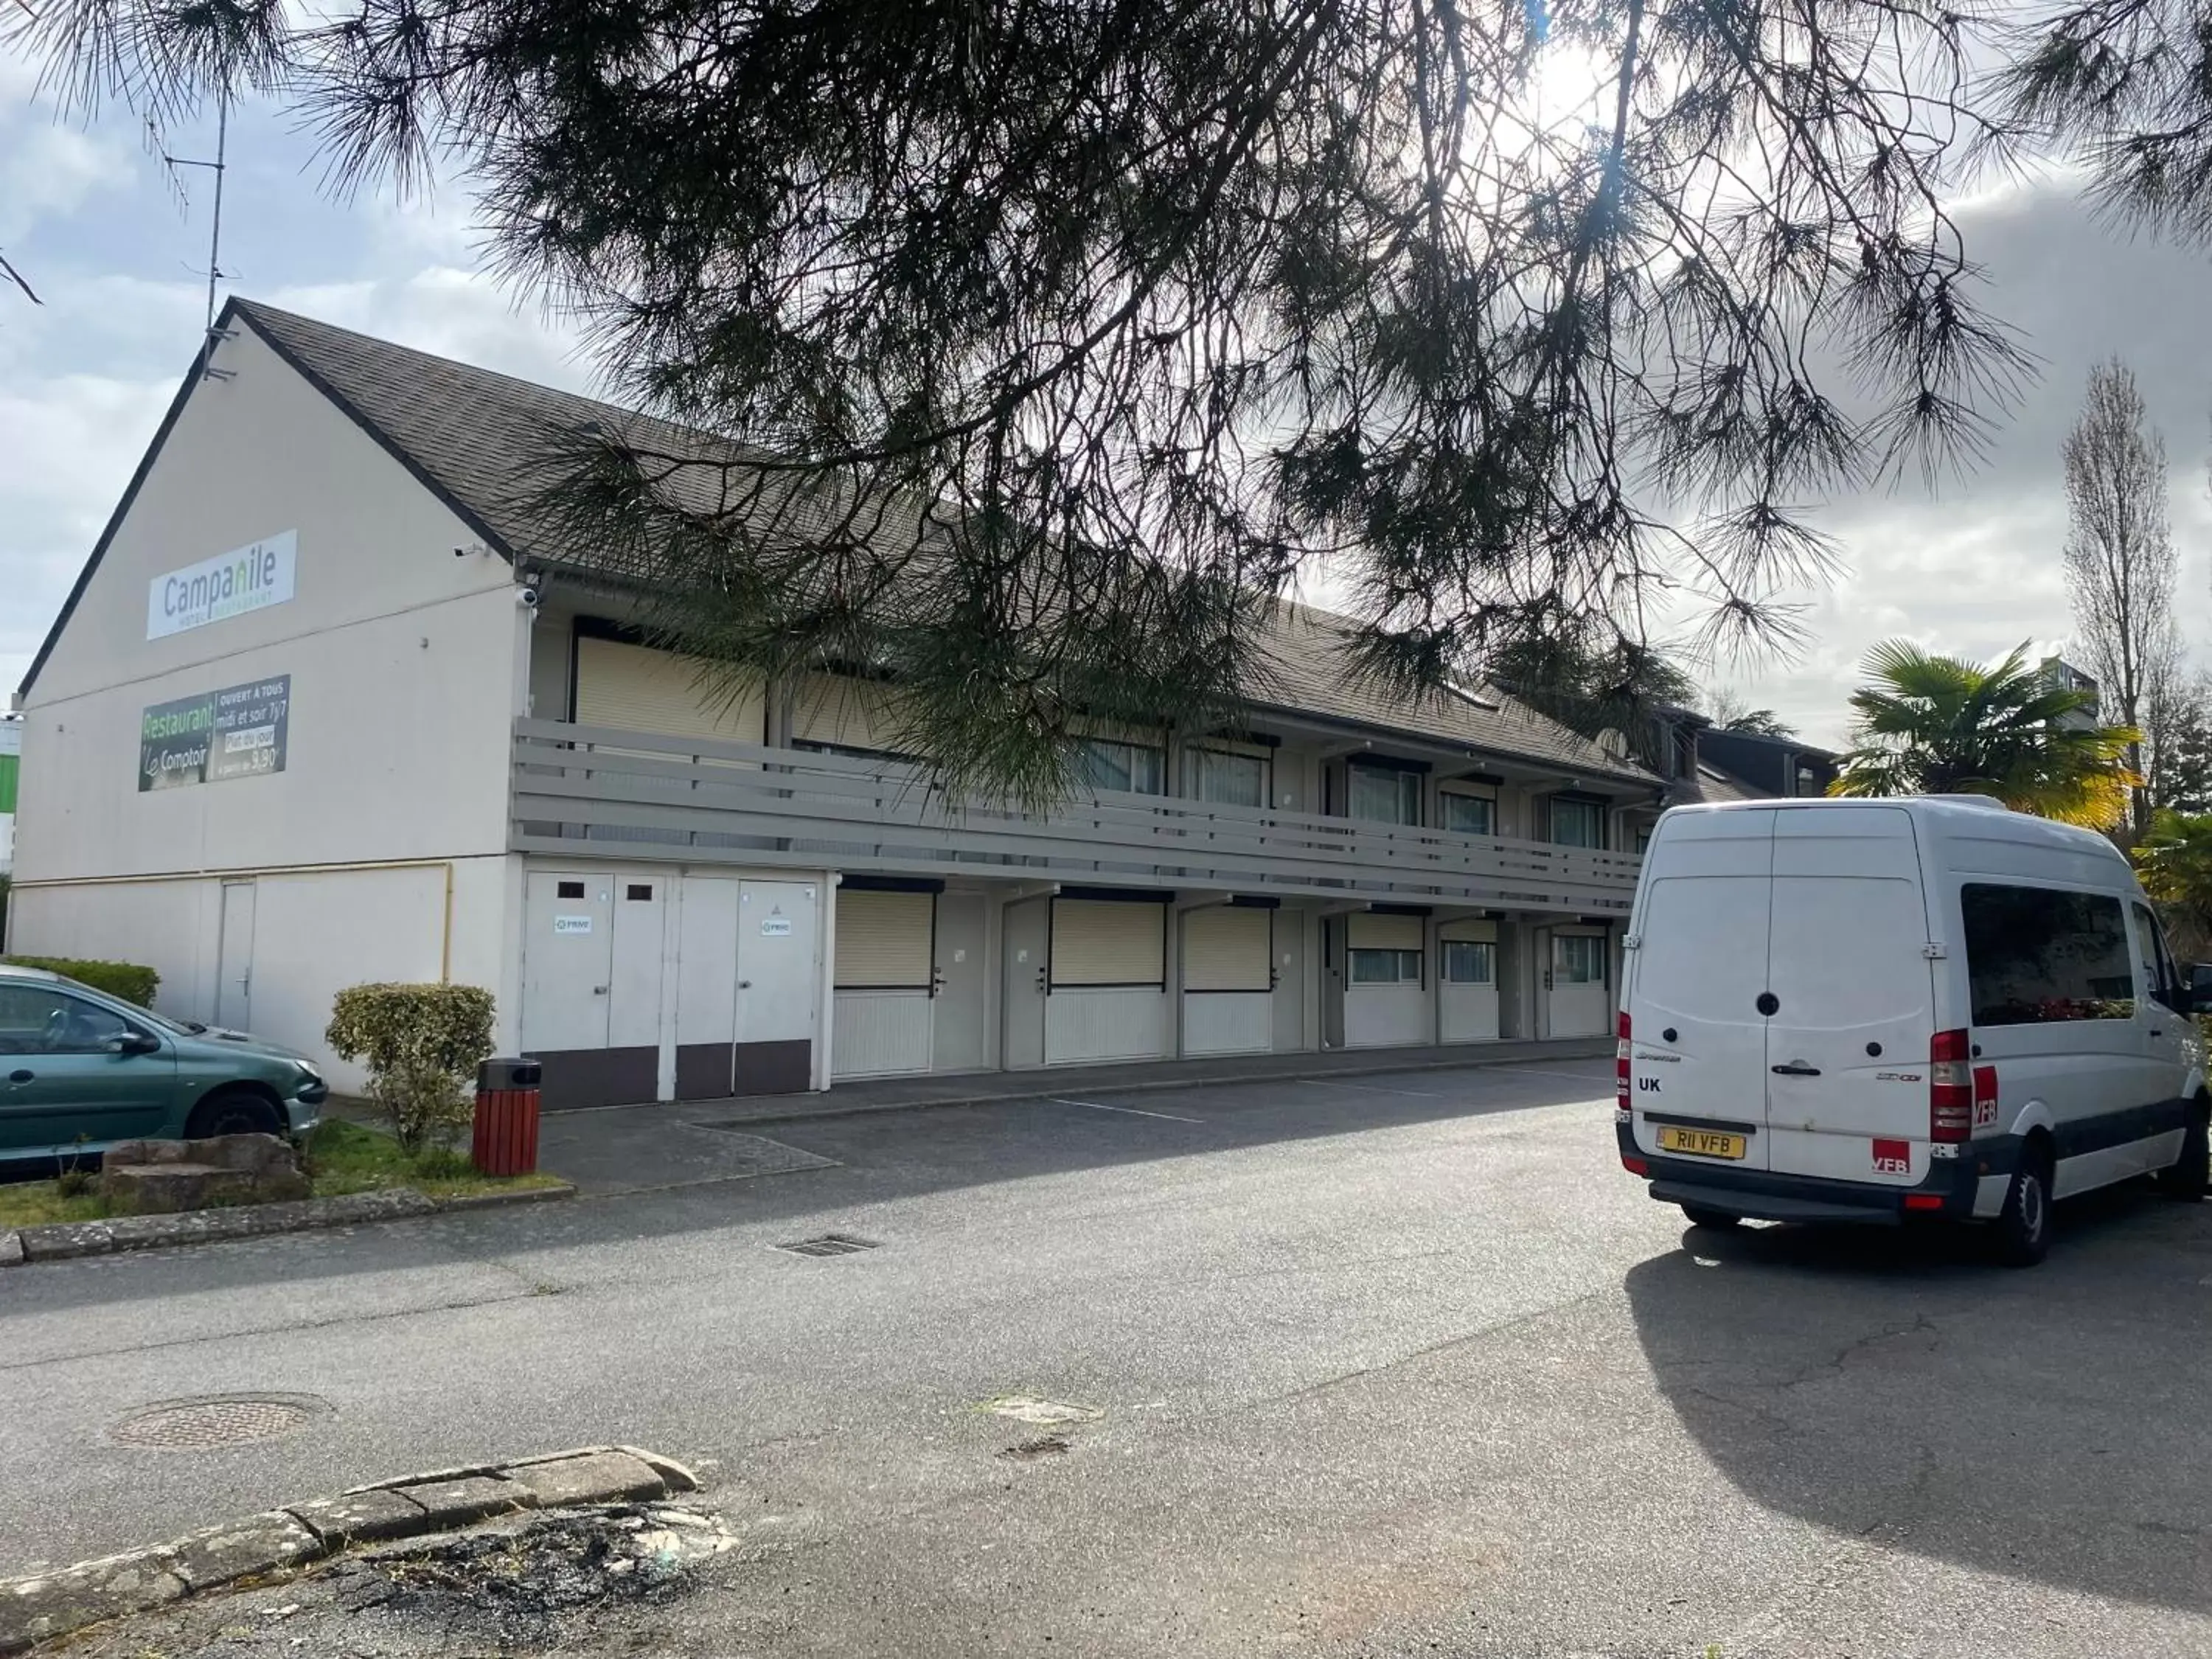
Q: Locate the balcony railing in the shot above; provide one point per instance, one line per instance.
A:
(589, 790)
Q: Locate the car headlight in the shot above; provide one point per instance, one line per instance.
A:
(309, 1070)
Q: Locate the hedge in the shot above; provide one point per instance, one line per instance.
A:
(127, 979)
(420, 1045)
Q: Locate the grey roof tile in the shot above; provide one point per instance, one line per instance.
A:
(473, 433)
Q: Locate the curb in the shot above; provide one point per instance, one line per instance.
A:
(63, 1240)
(1598, 1049)
(40, 1608)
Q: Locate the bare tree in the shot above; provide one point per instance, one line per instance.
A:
(2119, 558)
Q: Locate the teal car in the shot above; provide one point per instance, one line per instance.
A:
(81, 1070)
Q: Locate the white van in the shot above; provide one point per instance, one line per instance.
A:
(1880, 1010)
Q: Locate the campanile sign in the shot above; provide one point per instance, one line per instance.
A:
(230, 585)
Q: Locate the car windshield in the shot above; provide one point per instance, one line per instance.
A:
(180, 1027)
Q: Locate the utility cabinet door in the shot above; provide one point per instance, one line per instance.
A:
(779, 934)
(640, 905)
(565, 953)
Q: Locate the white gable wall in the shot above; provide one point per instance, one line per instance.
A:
(407, 666)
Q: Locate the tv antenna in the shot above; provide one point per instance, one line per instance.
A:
(217, 166)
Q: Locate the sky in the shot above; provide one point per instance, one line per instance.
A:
(88, 217)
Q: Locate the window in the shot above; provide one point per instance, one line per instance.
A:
(1471, 815)
(35, 1020)
(2037, 954)
(1102, 764)
(2161, 980)
(848, 751)
(1470, 962)
(638, 892)
(1577, 823)
(570, 890)
(1642, 837)
(1231, 780)
(1385, 797)
(1385, 967)
(1578, 959)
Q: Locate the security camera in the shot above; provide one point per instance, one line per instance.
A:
(526, 598)
(460, 552)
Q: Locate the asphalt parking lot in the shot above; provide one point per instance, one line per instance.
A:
(1397, 1365)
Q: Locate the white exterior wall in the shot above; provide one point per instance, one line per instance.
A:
(406, 666)
(1120, 1022)
(881, 1033)
(1228, 1022)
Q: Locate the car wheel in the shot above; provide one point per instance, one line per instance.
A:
(233, 1112)
(2023, 1231)
(2190, 1176)
(1699, 1216)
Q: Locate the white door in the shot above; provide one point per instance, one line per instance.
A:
(2167, 1046)
(1581, 1000)
(1024, 931)
(1466, 989)
(706, 986)
(640, 910)
(1850, 995)
(1289, 948)
(963, 998)
(778, 986)
(565, 955)
(234, 993)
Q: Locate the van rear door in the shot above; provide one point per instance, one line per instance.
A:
(1854, 990)
(1698, 1042)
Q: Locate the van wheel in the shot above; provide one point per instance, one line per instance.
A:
(2190, 1174)
(2023, 1231)
(1699, 1216)
(233, 1112)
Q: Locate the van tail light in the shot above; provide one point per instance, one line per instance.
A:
(1951, 1087)
(1620, 1065)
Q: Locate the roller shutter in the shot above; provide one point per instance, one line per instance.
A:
(1226, 948)
(884, 940)
(1368, 931)
(843, 712)
(633, 687)
(1477, 930)
(1096, 942)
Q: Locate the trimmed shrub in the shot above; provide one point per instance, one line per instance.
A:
(127, 979)
(420, 1045)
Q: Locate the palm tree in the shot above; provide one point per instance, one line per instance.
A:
(1934, 725)
(2175, 862)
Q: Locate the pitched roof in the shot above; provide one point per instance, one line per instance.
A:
(467, 434)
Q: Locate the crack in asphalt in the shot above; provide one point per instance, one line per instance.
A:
(1824, 1368)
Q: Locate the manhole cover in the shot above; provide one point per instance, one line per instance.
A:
(211, 1420)
(831, 1244)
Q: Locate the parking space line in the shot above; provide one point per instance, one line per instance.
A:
(1168, 1116)
(1372, 1088)
(1538, 1071)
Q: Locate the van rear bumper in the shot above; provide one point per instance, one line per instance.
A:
(1766, 1195)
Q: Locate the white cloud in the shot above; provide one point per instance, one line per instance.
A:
(453, 312)
(68, 447)
(52, 171)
